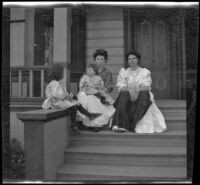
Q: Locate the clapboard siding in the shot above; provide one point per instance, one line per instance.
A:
(99, 14)
(98, 34)
(105, 31)
(109, 42)
(107, 24)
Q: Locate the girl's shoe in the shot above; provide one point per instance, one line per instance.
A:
(94, 116)
(76, 129)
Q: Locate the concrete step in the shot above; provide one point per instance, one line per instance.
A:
(126, 155)
(79, 172)
(168, 138)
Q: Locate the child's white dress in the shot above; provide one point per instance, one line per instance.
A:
(56, 95)
(93, 104)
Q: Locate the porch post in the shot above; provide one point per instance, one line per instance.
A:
(61, 48)
(29, 36)
(17, 30)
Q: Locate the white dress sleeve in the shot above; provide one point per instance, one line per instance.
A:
(145, 80)
(82, 83)
(121, 79)
(49, 92)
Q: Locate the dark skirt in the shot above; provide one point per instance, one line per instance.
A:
(128, 113)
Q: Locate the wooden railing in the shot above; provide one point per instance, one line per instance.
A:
(23, 79)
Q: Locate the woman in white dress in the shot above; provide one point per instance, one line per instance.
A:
(135, 106)
(93, 103)
(57, 96)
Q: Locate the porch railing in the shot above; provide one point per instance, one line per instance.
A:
(28, 81)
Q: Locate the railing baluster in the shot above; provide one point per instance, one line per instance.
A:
(31, 83)
(42, 83)
(20, 83)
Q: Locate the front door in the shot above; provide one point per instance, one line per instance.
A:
(154, 36)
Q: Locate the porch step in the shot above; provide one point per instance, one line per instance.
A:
(168, 138)
(171, 104)
(80, 172)
(127, 156)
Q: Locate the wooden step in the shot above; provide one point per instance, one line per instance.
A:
(126, 155)
(174, 113)
(169, 138)
(78, 172)
(171, 104)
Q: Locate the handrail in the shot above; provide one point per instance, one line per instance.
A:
(28, 67)
(30, 83)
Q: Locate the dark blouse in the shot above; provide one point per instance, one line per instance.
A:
(106, 76)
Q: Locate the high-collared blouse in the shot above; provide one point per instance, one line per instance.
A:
(134, 80)
(106, 76)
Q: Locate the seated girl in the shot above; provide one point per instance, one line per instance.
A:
(92, 84)
(58, 97)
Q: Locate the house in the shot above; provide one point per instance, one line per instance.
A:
(166, 38)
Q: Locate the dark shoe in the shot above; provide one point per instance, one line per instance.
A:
(76, 129)
(103, 101)
(94, 116)
(96, 129)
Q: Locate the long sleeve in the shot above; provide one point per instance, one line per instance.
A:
(107, 78)
(146, 80)
(121, 79)
(82, 83)
(50, 89)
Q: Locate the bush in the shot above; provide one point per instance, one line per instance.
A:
(17, 162)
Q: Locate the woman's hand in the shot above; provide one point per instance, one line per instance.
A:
(144, 88)
(91, 91)
(125, 88)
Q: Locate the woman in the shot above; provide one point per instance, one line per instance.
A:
(58, 97)
(93, 103)
(135, 106)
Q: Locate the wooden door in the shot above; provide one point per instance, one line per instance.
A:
(152, 41)
(156, 35)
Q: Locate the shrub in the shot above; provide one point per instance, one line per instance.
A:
(17, 162)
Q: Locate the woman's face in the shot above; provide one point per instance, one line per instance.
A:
(132, 61)
(100, 60)
(90, 71)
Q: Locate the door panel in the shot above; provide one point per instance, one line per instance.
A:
(152, 36)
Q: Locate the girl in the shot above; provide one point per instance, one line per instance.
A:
(58, 97)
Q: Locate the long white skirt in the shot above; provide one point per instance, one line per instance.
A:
(152, 121)
(94, 105)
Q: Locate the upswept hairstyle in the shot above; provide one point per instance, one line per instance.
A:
(133, 53)
(55, 72)
(100, 52)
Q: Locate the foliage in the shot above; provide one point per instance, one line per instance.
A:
(17, 161)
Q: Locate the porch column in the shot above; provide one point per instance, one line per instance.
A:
(17, 31)
(61, 48)
(29, 36)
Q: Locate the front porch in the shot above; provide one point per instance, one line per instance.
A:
(51, 152)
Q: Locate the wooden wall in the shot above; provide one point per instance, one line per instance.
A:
(105, 30)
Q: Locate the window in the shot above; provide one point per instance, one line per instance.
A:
(43, 45)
